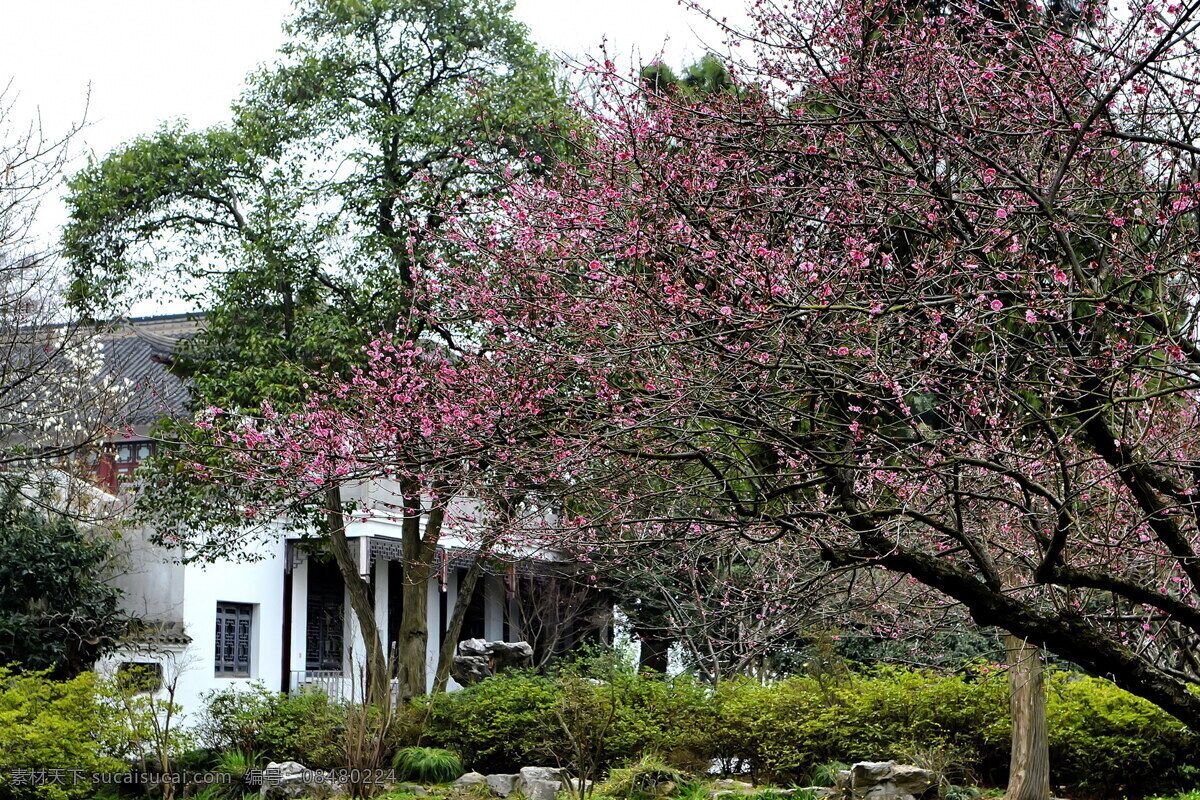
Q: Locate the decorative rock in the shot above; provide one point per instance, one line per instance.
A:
(912, 780)
(869, 773)
(410, 788)
(540, 774)
(470, 669)
(286, 780)
(885, 780)
(473, 647)
(511, 655)
(470, 779)
(502, 785)
(540, 790)
(477, 659)
(726, 784)
(728, 788)
(819, 792)
(539, 783)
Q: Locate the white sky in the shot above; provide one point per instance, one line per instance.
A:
(132, 64)
(146, 61)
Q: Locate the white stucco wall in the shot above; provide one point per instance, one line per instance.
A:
(259, 583)
(151, 583)
(157, 587)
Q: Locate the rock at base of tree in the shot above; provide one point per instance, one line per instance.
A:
(470, 779)
(573, 784)
(478, 659)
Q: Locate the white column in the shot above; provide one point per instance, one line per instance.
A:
(433, 623)
(299, 640)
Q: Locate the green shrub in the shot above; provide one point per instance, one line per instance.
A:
(498, 724)
(1107, 742)
(783, 731)
(48, 725)
(1192, 795)
(1104, 742)
(306, 726)
(427, 765)
(509, 721)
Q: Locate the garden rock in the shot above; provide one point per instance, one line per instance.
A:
(884, 780)
(470, 779)
(410, 788)
(501, 784)
(912, 780)
(728, 788)
(539, 783)
(477, 659)
(540, 790)
(540, 774)
(818, 792)
(573, 784)
(286, 780)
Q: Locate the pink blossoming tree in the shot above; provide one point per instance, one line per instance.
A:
(918, 298)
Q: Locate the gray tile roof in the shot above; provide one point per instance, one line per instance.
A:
(154, 391)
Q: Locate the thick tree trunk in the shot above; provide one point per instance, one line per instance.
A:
(654, 651)
(361, 601)
(466, 589)
(1029, 769)
(420, 549)
(412, 638)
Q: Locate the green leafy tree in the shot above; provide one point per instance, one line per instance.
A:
(56, 613)
(308, 224)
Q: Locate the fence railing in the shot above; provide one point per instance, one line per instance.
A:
(332, 682)
(335, 683)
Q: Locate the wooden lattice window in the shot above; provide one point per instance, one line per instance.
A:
(233, 639)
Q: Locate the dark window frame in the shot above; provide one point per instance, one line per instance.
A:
(233, 650)
(324, 633)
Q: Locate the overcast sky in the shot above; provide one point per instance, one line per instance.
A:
(145, 61)
(132, 64)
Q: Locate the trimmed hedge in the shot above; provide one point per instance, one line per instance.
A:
(1104, 742)
(54, 734)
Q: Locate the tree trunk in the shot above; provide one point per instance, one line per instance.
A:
(655, 649)
(420, 549)
(361, 601)
(413, 635)
(1029, 769)
(466, 590)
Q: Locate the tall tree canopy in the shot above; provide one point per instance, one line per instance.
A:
(921, 304)
(304, 227)
(925, 304)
